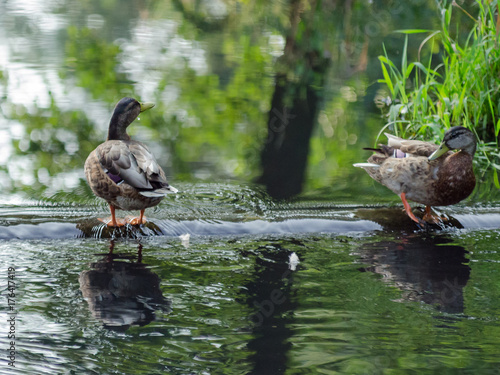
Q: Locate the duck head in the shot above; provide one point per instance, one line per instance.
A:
(126, 111)
(456, 138)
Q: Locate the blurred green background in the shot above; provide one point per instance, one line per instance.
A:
(215, 70)
(279, 93)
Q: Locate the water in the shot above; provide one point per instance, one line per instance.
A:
(223, 279)
(366, 292)
(356, 303)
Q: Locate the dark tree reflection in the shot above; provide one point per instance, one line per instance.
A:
(270, 294)
(295, 102)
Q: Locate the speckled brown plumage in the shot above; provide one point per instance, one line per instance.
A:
(456, 180)
(424, 172)
(124, 172)
(122, 196)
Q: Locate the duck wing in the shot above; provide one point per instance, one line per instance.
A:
(418, 148)
(133, 163)
(155, 176)
(412, 147)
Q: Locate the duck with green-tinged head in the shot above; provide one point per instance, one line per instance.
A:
(124, 172)
(425, 172)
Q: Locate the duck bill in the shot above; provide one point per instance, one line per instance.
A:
(443, 149)
(146, 106)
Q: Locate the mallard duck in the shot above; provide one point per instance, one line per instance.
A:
(424, 172)
(124, 172)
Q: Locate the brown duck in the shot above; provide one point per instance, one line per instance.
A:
(124, 172)
(424, 172)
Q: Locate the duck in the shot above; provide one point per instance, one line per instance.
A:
(424, 172)
(125, 172)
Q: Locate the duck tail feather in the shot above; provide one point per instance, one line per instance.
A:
(366, 165)
(159, 192)
(152, 194)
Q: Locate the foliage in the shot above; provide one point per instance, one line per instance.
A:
(426, 98)
(51, 150)
(93, 62)
(209, 123)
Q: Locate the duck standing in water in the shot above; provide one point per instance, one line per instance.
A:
(124, 172)
(425, 172)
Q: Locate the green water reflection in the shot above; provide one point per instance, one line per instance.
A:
(353, 304)
(370, 293)
(210, 69)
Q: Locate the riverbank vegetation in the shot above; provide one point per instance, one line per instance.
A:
(458, 83)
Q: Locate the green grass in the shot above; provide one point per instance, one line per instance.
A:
(462, 89)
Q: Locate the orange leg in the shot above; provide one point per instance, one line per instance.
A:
(112, 221)
(138, 220)
(113, 217)
(408, 209)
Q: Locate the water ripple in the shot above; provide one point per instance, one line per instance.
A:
(219, 209)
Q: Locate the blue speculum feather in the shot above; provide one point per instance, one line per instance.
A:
(116, 179)
(399, 154)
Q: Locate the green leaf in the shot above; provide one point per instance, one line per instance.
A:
(387, 79)
(404, 57)
(409, 70)
(495, 178)
(413, 31)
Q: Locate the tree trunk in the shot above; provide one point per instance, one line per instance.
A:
(295, 104)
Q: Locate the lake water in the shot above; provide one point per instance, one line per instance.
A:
(255, 288)
(224, 279)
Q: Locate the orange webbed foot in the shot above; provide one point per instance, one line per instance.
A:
(136, 220)
(432, 218)
(109, 221)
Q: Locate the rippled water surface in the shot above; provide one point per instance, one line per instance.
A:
(224, 279)
(354, 304)
(263, 288)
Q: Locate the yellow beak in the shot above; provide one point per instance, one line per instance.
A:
(443, 149)
(146, 106)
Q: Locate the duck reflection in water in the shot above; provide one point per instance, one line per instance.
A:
(122, 293)
(432, 270)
